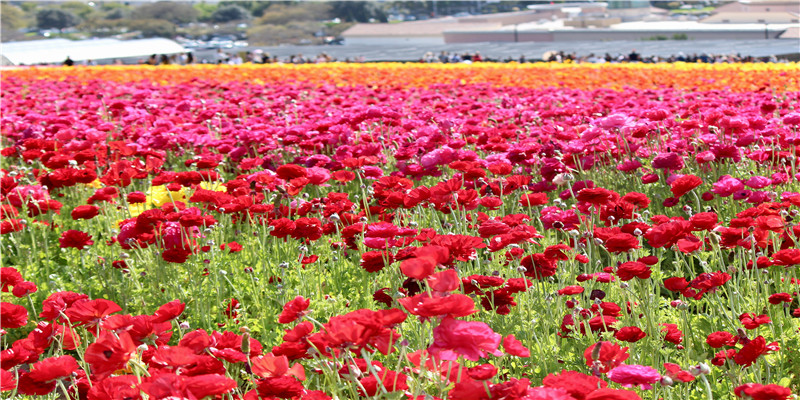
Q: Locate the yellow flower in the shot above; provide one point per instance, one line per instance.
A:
(159, 195)
(215, 186)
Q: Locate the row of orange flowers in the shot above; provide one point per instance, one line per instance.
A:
(734, 77)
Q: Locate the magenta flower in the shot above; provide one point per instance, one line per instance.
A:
(453, 338)
(633, 375)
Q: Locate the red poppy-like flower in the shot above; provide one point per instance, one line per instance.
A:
(294, 309)
(53, 368)
(75, 239)
(605, 355)
(470, 339)
(123, 387)
(12, 316)
(109, 353)
(91, 312)
(390, 381)
(425, 261)
(684, 184)
(24, 288)
(779, 298)
(577, 384)
(675, 372)
(757, 391)
(630, 334)
(482, 372)
(427, 305)
(720, 338)
(85, 212)
(533, 199)
(673, 334)
(751, 351)
(633, 269)
(514, 347)
(621, 242)
(9, 276)
(284, 387)
(169, 311)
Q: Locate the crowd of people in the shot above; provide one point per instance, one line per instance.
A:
(258, 56)
(564, 57)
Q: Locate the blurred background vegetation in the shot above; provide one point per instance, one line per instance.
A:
(258, 22)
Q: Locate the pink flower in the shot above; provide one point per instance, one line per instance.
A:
(632, 375)
(727, 185)
(453, 338)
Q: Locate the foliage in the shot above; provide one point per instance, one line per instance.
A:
(229, 13)
(53, 18)
(174, 12)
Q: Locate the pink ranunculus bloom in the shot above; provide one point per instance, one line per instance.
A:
(727, 185)
(634, 375)
(471, 339)
(758, 182)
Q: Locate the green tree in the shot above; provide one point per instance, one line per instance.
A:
(205, 10)
(11, 16)
(358, 11)
(152, 27)
(177, 13)
(228, 13)
(53, 18)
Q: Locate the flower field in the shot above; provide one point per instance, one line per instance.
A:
(390, 231)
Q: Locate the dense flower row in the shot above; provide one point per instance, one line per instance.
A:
(735, 77)
(498, 239)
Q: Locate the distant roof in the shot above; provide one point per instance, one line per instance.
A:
(780, 17)
(52, 51)
(415, 28)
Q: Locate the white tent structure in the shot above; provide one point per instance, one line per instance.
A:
(55, 51)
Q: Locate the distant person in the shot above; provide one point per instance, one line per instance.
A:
(68, 62)
(634, 56)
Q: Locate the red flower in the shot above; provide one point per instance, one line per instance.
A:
(482, 372)
(169, 311)
(673, 335)
(719, 339)
(757, 391)
(91, 312)
(471, 339)
(533, 199)
(123, 387)
(9, 276)
(596, 196)
(427, 305)
(294, 309)
(630, 334)
(85, 212)
(779, 298)
(136, 197)
(622, 242)
(24, 288)
(577, 384)
(109, 353)
(51, 369)
(390, 382)
(751, 351)
(605, 355)
(514, 347)
(676, 284)
(425, 262)
(674, 371)
(684, 184)
(12, 316)
(633, 269)
(613, 394)
(75, 239)
(283, 387)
